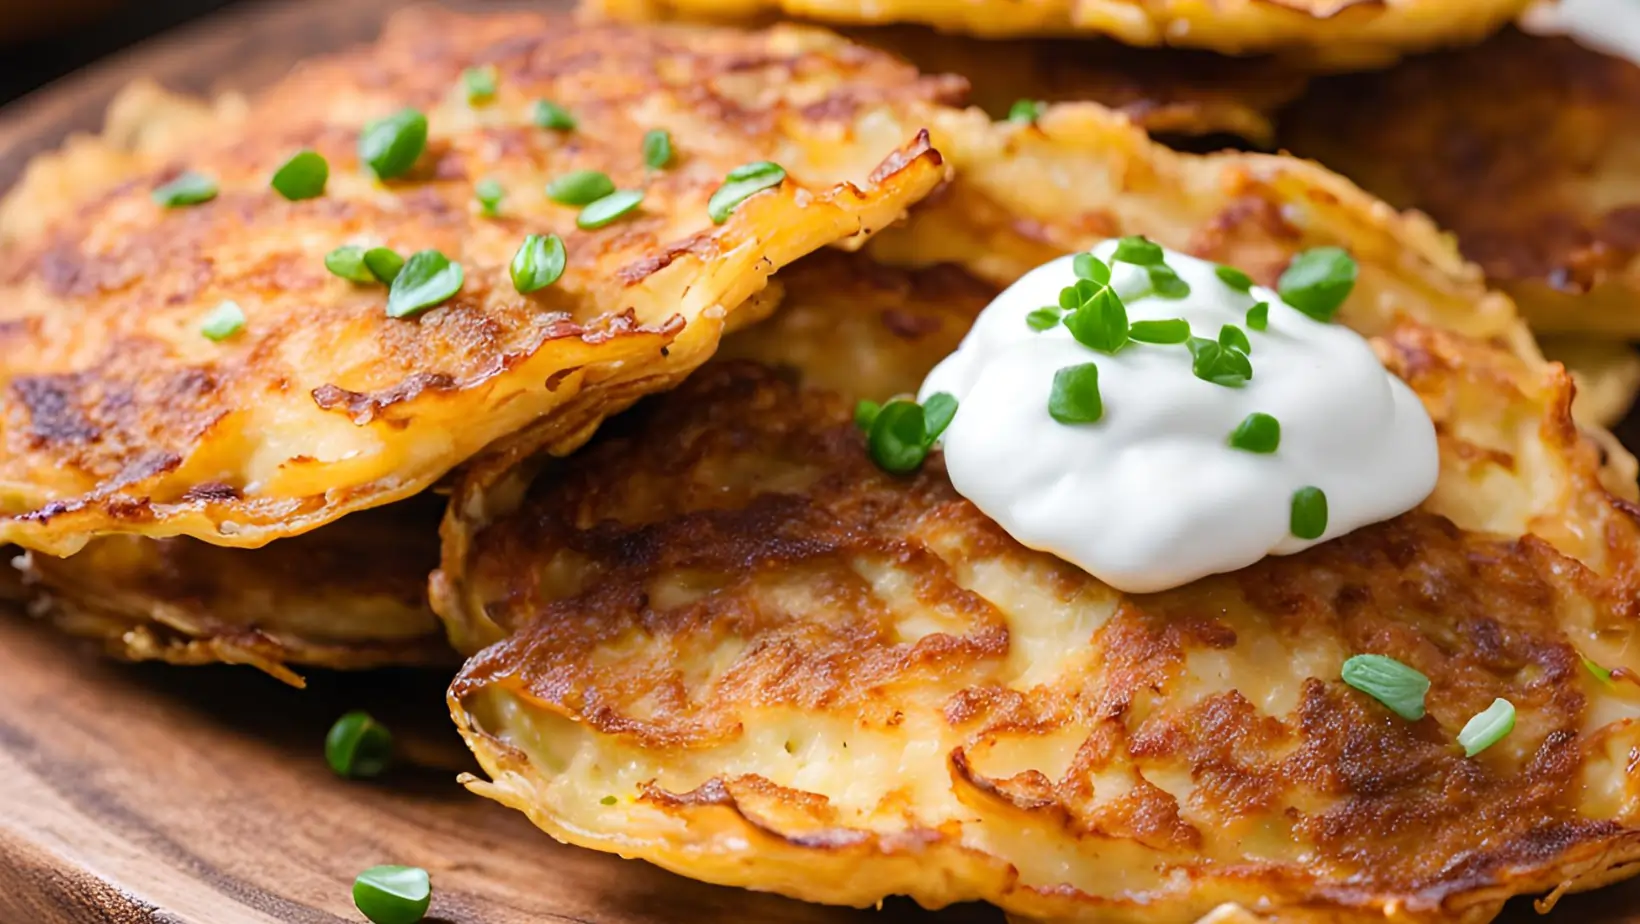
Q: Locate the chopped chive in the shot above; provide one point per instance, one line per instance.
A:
(1600, 673)
(1026, 110)
(358, 746)
(580, 187)
(1166, 283)
(302, 177)
(1221, 365)
(1175, 330)
(864, 413)
(391, 146)
(1089, 267)
(1488, 727)
(657, 148)
(348, 263)
(427, 279)
(741, 184)
(479, 84)
(607, 800)
(609, 209)
(189, 188)
(552, 116)
(1043, 318)
(898, 437)
(938, 411)
(393, 894)
(538, 263)
(1075, 395)
(1309, 513)
(384, 263)
(223, 322)
(1099, 323)
(489, 194)
(1139, 250)
(1257, 432)
(1318, 281)
(1387, 680)
(1258, 316)
(1232, 336)
(1234, 278)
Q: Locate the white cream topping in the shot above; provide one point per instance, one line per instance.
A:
(1152, 495)
(1610, 26)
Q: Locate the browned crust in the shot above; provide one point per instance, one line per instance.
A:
(704, 571)
(352, 595)
(1523, 146)
(114, 411)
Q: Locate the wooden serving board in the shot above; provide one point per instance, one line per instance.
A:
(145, 793)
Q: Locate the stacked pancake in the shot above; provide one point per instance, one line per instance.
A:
(695, 623)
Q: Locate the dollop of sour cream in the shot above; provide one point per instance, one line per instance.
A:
(1609, 26)
(1152, 495)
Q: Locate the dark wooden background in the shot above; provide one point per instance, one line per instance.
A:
(144, 793)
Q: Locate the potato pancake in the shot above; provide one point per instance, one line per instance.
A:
(1607, 374)
(731, 645)
(1527, 147)
(351, 595)
(1177, 92)
(119, 416)
(1340, 34)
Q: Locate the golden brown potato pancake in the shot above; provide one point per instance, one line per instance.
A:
(1527, 147)
(1607, 373)
(118, 416)
(1167, 92)
(350, 595)
(737, 649)
(1339, 34)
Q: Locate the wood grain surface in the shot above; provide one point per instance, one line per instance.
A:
(144, 793)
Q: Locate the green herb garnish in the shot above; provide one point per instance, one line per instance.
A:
(1075, 395)
(864, 413)
(223, 322)
(302, 177)
(741, 184)
(1232, 336)
(1258, 316)
(538, 263)
(1392, 683)
(1318, 281)
(1139, 250)
(1221, 365)
(1175, 330)
(1166, 283)
(390, 146)
(1257, 432)
(427, 279)
(1309, 513)
(1234, 278)
(657, 148)
(609, 209)
(552, 116)
(189, 188)
(1043, 318)
(489, 194)
(348, 263)
(899, 434)
(357, 746)
(393, 894)
(1600, 673)
(479, 84)
(1089, 267)
(1099, 320)
(607, 800)
(384, 263)
(1026, 110)
(1487, 727)
(580, 187)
